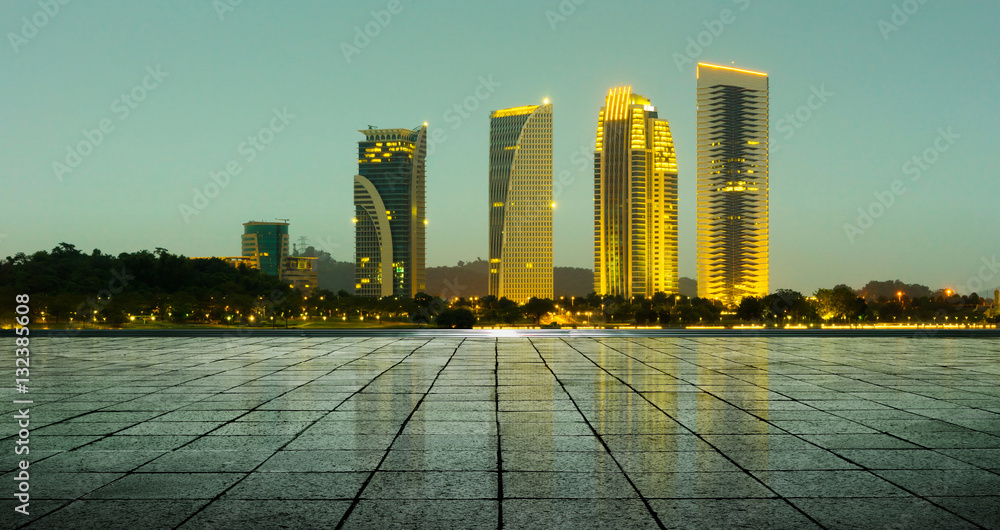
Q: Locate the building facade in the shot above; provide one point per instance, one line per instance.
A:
(635, 199)
(389, 216)
(520, 219)
(266, 244)
(733, 185)
(300, 273)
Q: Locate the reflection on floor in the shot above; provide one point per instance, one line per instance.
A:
(610, 432)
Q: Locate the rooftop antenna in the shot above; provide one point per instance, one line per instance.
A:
(371, 127)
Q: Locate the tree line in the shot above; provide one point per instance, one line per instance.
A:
(70, 287)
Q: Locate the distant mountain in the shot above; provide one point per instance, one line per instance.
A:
(572, 281)
(468, 279)
(688, 287)
(333, 275)
(463, 280)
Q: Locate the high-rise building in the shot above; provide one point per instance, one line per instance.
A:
(521, 202)
(635, 199)
(732, 183)
(267, 245)
(389, 214)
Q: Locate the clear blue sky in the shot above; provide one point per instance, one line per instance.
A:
(226, 76)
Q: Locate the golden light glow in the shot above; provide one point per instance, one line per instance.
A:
(514, 111)
(732, 69)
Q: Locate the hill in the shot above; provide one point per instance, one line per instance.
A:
(470, 278)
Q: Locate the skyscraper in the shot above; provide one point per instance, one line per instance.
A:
(266, 244)
(732, 183)
(635, 199)
(389, 214)
(521, 202)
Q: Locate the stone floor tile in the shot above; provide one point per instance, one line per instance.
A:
(300, 486)
(236, 513)
(423, 513)
(625, 514)
(709, 514)
(432, 485)
(167, 486)
(853, 513)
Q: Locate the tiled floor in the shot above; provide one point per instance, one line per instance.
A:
(486, 432)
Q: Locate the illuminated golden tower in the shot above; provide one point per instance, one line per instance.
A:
(521, 202)
(635, 199)
(732, 183)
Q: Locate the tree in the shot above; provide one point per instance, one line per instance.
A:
(660, 298)
(684, 313)
(508, 310)
(646, 316)
(751, 308)
(840, 303)
(785, 303)
(460, 318)
(424, 310)
(538, 307)
(708, 311)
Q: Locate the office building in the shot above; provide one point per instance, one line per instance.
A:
(732, 219)
(389, 217)
(635, 199)
(266, 245)
(520, 222)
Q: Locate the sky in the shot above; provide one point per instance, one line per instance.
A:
(137, 125)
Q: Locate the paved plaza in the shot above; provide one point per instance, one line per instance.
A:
(515, 432)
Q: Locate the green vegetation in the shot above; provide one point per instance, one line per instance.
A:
(69, 288)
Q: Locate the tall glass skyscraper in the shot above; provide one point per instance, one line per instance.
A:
(521, 202)
(389, 215)
(267, 245)
(732, 183)
(635, 199)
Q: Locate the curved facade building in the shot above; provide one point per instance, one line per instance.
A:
(732, 183)
(521, 203)
(389, 216)
(635, 199)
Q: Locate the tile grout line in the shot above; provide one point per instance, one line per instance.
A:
(719, 451)
(133, 470)
(866, 469)
(371, 475)
(258, 466)
(836, 412)
(496, 401)
(604, 444)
